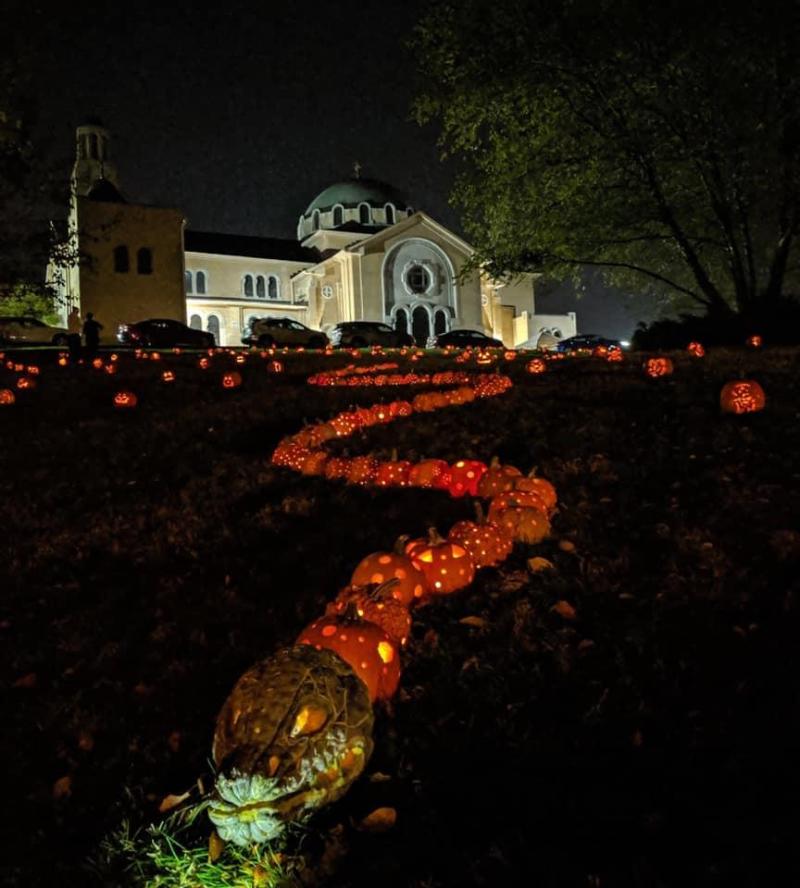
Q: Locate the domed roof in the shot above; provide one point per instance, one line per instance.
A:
(352, 192)
(105, 191)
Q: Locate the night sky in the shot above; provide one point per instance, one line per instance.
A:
(240, 115)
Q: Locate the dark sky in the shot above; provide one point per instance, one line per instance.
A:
(241, 114)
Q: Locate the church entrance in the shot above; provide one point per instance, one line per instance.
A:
(420, 326)
(401, 321)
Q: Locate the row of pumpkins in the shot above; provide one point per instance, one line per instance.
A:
(296, 730)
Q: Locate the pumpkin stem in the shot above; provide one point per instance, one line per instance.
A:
(400, 544)
(382, 590)
(434, 537)
(495, 463)
(393, 455)
(480, 515)
(350, 613)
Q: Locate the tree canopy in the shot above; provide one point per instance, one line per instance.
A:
(658, 142)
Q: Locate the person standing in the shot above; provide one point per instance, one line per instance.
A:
(91, 334)
(74, 332)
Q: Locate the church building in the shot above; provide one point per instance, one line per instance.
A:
(362, 252)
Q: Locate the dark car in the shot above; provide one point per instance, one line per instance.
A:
(266, 332)
(464, 338)
(358, 334)
(588, 341)
(163, 333)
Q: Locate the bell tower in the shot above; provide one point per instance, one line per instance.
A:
(92, 158)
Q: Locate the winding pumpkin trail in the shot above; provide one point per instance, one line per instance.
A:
(278, 762)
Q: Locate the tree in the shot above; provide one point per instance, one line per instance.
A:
(657, 143)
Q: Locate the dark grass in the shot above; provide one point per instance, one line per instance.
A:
(148, 558)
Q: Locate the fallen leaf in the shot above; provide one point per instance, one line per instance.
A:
(564, 609)
(537, 564)
(380, 820)
(566, 546)
(477, 622)
(27, 681)
(62, 788)
(172, 801)
(379, 777)
(215, 847)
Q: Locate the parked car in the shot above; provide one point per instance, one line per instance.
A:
(163, 333)
(587, 341)
(30, 331)
(464, 338)
(357, 334)
(266, 332)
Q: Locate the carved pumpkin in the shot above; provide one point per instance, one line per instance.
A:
(26, 383)
(290, 454)
(124, 400)
(525, 524)
(509, 355)
(168, 376)
(97, 363)
(240, 359)
(464, 477)
(484, 357)
(497, 479)
(615, 356)
(536, 366)
(111, 369)
(447, 565)
(375, 604)
(656, 367)
(429, 473)
(528, 499)
(600, 351)
(275, 367)
(7, 398)
(231, 380)
(294, 733)
(203, 363)
(362, 470)
(393, 473)
(63, 361)
(369, 650)
(696, 349)
(381, 567)
(742, 396)
(314, 463)
(532, 483)
(429, 401)
(337, 467)
(486, 542)
(755, 341)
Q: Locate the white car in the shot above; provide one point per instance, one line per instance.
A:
(30, 331)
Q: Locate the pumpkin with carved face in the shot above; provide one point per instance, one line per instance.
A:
(742, 396)
(292, 736)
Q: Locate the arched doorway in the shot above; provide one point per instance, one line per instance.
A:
(440, 322)
(213, 327)
(420, 326)
(401, 321)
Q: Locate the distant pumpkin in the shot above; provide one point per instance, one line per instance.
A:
(696, 349)
(656, 367)
(231, 380)
(742, 396)
(125, 400)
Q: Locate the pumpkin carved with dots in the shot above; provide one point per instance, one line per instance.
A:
(532, 483)
(486, 542)
(369, 650)
(294, 733)
(497, 479)
(447, 566)
(375, 604)
(381, 567)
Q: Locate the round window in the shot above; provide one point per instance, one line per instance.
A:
(418, 279)
(327, 292)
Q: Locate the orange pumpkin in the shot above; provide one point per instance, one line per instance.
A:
(314, 463)
(26, 382)
(291, 454)
(429, 401)
(755, 341)
(696, 349)
(382, 567)
(362, 470)
(742, 396)
(231, 380)
(447, 565)
(656, 367)
(336, 468)
(168, 376)
(497, 479)
(486, 542)
(7, 398)
(429, 473)
(536, 366)
(369, 650)
(125, 400)
(375, 604)
(464, 477)
(523, 523)
(203, 363)
(532, 483)
(528, 499)
(275, 367)
(393, 473)
(615, 356)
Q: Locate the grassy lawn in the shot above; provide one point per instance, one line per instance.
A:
(148, 557)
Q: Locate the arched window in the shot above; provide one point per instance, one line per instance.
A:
(273, 287)
(93, 151)
(121, 261)
(248, 285)
(196, 322)
(440, 322)
(213, 327)
(364, 214)
(187, 281)
(389, 210)
(315, 220)
(338, 216)
(200, 282)
(401, 321)
(410, 211)
(144, 260)
(260, 287)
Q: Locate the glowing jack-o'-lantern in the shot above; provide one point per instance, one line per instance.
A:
(393, 473)
(7, 398)
(486, 542)
(155, 356)
(240, 359)
(275, 367)
(168, 376)
(696, 349)
(484, 357)
(26, 383)
(429, 473)
(110, 369)
(369, 650)
(97, 363)
(32, 370)
(314, 463)
(124, 400)
(383, 567)
(536, 366)
(497, 479)
(464, 477)
(336, 468)
(376, 604)
(524, 524)
(656, 367)
(362, 470)
(203, 363)
(615, 356)
(63, 361)
(509, 355)
(293, 735)
(231, 380)
(755, 341)
(742, 396)
(447, 565)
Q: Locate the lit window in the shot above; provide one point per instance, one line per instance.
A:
(121, 261)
